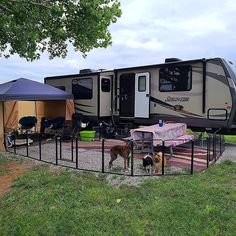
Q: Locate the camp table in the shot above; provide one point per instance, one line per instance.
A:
(172, 133)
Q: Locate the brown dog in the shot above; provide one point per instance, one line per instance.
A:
(157, 161)
(121, 150)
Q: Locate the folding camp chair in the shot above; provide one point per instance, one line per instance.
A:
(27, 123)
(53, 126)
(72, 129)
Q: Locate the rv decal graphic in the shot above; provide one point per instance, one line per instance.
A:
(83, 105)
(177, 99)
(78, 109)
(220, 78)
(152, 99)
(178, 108)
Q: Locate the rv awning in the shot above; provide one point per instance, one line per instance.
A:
(28, 90)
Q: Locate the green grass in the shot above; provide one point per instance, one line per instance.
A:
(3, 169)
(230, 138)
(4, 160)
(71, 203)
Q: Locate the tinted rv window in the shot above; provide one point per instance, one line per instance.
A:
(175, 78)
(106, 85)
(142, 83)
(61, 88)
(82, 88)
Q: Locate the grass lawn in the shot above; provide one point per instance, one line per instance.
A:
(3, 163)
(230, 138)
(45, 202)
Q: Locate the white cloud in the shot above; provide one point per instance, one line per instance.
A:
(146, 33)
(200, 25)
(150, 45)
(133, 42)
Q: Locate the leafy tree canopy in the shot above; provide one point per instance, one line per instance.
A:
(30, 27)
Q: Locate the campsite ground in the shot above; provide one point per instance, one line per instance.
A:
(55, 202)
(229, 153)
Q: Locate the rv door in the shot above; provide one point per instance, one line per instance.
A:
(142, 96)
(105, 96)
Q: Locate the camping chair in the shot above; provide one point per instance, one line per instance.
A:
(27, 123)
(72, 129)
(53, 126)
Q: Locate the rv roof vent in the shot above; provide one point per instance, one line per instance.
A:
(172, 60)
(87, 71)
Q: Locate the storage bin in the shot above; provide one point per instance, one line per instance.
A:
(87, 135)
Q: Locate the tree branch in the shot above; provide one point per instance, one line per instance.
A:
(39, 4)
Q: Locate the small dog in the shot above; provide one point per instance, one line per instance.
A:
(148, 163)
(157, 161)
(123, 151)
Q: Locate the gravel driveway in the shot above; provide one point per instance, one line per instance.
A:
(229, 153)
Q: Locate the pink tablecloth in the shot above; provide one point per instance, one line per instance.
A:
(180, 140)
(169, 132)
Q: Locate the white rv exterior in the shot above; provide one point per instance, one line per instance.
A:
(199, 92)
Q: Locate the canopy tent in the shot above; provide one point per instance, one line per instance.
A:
(28, 90)
(14, 110)
(23, 97)
(2, 148)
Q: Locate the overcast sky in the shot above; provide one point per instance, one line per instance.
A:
(147, 33)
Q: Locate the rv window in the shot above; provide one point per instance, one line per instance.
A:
(175, 78)
(142, 83)
(106, 85)
(61, 88)
(82, 88)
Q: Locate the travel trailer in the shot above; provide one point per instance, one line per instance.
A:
(201, 93)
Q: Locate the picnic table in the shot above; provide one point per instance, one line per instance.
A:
(172, 134)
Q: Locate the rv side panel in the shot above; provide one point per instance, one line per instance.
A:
(85, 91)
(218, 95)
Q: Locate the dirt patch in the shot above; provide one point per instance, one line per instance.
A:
(11, 171)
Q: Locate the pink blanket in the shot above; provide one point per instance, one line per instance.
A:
(171, 133)
(180, 140)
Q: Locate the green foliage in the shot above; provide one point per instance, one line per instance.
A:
(29, 28)
(68, 203)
